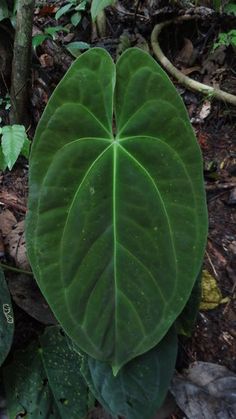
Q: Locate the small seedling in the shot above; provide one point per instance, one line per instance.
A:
(48, 33)
(14, 142)
(75, 6)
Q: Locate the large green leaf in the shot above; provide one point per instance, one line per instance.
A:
(117, 222)
(44, 381)
(139, 389)
(6, 319)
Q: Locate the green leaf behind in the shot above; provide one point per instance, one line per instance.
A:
(6, 319)
(140, 388)
(44, 381)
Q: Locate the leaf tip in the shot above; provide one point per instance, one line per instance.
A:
(115, 369)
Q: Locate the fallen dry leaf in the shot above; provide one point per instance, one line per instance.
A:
(205, 110)
(206, 391)
(211, 294)
(27, 296)
(217, 255)
(46, 60)
(48, 9)
(7, 221)
(187, 54)
(15, 243)
(190, 70)
(12, 201)
(203, 140)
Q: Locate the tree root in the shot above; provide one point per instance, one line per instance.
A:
(189, 83)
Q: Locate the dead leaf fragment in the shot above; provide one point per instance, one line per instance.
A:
(47, 10)
(27, 296)
(211, 294)
(7, 221)
(205, 110)
(9, 199)
(15, 242)
(187, 54)
(46, 60)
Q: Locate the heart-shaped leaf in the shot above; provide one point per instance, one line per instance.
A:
(139, 389)
(117, 218)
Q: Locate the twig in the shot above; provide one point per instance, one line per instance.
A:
(212, 266)
(180, 77)
(135, 14)
(220, 186)
(11, 268)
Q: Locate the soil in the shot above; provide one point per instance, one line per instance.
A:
(189, 47)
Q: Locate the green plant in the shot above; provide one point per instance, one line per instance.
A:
(230, 8)
(14, 141)
(5, 102)
(217, 4)
(77, 6)
(98, 6)
(117, 222)
(226, 38)
(76, 47)
(48, 33)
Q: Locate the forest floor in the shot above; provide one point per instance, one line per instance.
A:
(189, 47)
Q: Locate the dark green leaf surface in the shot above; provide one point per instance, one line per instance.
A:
(6, 319)
(45, 381)
(117, 223)
(140, 387)
(26, 386)
(62, 366)
(187, 319)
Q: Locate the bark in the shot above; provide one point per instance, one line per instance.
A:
(21, 64)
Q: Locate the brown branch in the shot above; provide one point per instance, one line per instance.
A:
(21, 64)
(180, 77)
